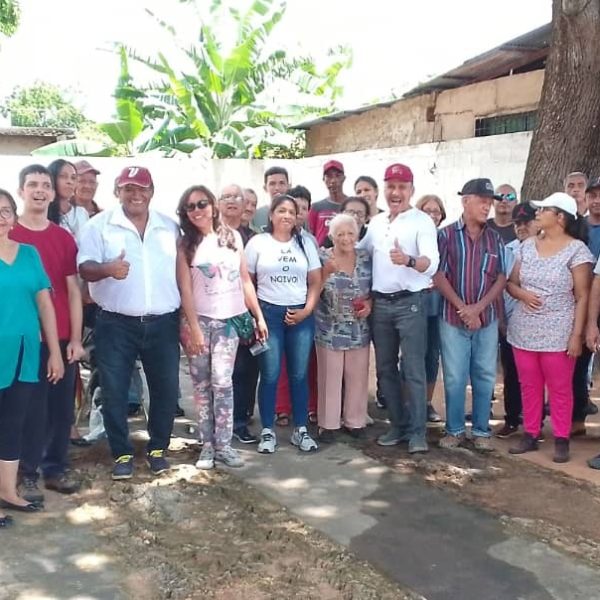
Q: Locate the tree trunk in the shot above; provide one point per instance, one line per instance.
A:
(567, 137)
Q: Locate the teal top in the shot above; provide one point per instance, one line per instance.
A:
(19, 319)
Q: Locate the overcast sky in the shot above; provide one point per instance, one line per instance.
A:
(396, 43)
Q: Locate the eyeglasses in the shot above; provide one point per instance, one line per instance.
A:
(7, 213)
(355, 213)
(192, 206)
(508, 197)
(232, 198)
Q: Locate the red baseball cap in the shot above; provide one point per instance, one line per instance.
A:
(134, 176)
(398, 172)
(83, 166)
(333, 164)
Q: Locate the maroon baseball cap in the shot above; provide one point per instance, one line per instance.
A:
(83, 166)
(134, 176)
(333, 164)
(398, 172)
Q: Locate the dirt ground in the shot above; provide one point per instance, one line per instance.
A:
(208, 535)
(547, 504)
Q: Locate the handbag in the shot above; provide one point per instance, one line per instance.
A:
(244, 327)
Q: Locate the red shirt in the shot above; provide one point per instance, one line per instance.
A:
(319, 217)
(58, 252)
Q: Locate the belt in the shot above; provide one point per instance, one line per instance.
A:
(140, 319)
(394, 295)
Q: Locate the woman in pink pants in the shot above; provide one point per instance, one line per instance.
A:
(551, 281)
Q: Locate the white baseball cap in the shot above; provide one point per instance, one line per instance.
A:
(558, 200)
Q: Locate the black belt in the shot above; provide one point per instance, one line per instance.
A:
(394, 295)
(140, 319)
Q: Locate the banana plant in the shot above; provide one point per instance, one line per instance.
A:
(226, 98)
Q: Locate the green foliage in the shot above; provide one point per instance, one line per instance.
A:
(10, 15)
(41, 105)
(230, 98)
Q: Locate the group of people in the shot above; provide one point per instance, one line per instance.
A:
(281, 304)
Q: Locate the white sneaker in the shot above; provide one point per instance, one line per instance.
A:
(229, 456)
(268, 441)
(302, 439)
(207, 458)
(369, 420)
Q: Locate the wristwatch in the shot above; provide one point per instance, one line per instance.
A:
(412, 261)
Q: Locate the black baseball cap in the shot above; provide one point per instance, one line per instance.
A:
(593, 183)
(523, 213)
(479, 187)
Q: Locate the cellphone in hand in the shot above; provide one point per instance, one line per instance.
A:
(259, 348)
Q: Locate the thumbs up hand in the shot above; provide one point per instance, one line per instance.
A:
(397, 254)
(119, 267)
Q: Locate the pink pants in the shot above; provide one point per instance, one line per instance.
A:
(555, 370)
(351, 367)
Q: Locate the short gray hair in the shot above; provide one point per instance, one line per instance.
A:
(339, 220)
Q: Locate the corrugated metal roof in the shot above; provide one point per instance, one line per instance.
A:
(506, 58)
(37, 131)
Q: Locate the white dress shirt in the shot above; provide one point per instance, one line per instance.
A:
(416, 235)
(150, 287)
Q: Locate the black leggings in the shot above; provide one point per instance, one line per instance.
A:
(14, 401)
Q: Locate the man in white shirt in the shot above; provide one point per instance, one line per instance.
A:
(403, 244)
(128, 256)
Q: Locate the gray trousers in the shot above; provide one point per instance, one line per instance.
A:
(400, 325)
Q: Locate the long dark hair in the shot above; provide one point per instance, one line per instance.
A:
(296, 233)
(576, 227)
(192, 237)
(54, 168)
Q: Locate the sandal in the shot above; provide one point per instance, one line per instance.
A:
(282, 420)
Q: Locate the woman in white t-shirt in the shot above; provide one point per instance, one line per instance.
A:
(287, 271)
(62, 209)
(215, 289)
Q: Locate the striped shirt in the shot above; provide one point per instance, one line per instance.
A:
(472, 267)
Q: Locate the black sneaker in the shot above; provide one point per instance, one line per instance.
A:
(591, 408)
(29, 490)
(527, 444)
(242, 435)
(157, 462)
(179, 412)
(506, 431)
(63, 484)
(380, 400)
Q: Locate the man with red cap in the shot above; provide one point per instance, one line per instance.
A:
(128, 256)
(87, 184)
(322, 212)
(403, 244)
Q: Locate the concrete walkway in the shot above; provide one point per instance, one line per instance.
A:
(419, 536)
(56, 555)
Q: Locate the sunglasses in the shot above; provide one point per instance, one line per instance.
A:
(192, 206)
(508, 197)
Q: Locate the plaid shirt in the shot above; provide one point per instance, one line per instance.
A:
(472, 267)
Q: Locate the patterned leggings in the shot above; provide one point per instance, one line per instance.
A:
(211, 374)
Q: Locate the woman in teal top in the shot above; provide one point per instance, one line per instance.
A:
(24, 302)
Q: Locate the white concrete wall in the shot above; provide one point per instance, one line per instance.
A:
(440, 168)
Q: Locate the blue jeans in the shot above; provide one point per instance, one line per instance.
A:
(119, 341)
(296, 341)
(400, 325)
(469, 354)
